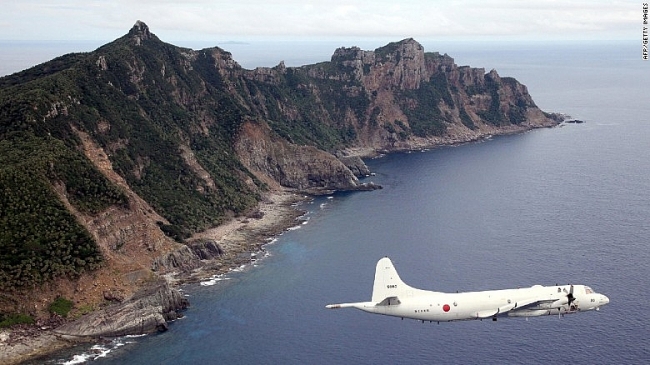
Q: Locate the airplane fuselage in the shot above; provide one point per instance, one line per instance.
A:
(392, 297)
(446, 307)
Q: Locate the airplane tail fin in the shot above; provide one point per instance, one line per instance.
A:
(388, 283)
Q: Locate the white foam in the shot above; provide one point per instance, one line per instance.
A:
(77, 359)
(213, 280)
(239, 269)
(101, 351)
(95, 352)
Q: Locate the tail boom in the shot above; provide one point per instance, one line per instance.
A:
(365, 306)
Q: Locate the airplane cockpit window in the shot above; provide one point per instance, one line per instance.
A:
(588, 290)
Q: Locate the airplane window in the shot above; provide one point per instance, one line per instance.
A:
(588, 290)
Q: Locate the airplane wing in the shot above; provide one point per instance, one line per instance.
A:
(533, 302)
(522, 304)
(498, 311)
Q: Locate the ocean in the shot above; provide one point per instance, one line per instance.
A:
(569, 204)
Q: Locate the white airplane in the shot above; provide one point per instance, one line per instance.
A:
(391, 297)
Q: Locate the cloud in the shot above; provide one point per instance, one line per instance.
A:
(210, 19)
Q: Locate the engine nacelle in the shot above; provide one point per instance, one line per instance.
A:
(559, 303)
(529, 313)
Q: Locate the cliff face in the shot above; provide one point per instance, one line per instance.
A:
(131, 149)
(148, 311)
(417, 98)
(396, 97)
(305, 168)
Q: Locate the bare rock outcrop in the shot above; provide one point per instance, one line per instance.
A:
(303, 168)
(187, 257)
(146, 312)
(182, 259)
(356, 165)
(206, 249)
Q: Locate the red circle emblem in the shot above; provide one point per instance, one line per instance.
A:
(446, 307)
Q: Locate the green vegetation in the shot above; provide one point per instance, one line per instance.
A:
(426, 118)
(84, 309)
(14, 319)
(320, 119)
(146, 123)
(466, 119)
(516, 113)
(493, 115)
(39, 238)
(383, 53)
(164, 116)
(61, 306)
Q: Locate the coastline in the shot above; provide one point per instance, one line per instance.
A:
(239, 237)
(23, 343)
(276, 213)
(244, 235)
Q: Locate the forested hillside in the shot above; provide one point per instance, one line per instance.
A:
(198, 138)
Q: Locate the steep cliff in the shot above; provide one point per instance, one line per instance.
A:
(111, 160)
(305, 168)
(400, 97)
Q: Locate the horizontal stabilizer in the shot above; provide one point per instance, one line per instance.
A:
(389, 301)
(359, 305)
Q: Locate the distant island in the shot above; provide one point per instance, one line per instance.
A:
(140, 165)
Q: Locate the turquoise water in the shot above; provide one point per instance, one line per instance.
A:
(562, 205)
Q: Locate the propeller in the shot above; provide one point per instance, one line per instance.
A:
(570, 296)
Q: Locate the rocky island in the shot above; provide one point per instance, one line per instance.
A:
(140, 165)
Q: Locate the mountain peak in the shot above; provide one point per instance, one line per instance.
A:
(141, 28)
(140, 32)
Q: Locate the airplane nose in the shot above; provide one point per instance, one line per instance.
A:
(604, 300)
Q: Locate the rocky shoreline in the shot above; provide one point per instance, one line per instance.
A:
(235, 240)
(159, 301)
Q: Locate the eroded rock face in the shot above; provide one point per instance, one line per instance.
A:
(182, 259)
(206, 250)
(356, 165)
(146, 312)
(140, 32)
(187, 257)
(471, 103)
(297, 167)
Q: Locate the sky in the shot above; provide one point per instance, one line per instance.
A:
(241, 20)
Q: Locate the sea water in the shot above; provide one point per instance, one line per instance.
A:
(569, 204)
